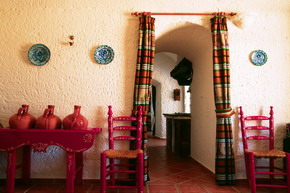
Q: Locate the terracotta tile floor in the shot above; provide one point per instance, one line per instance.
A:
(168, 172)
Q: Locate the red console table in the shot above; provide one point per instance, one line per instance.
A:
(74, 142)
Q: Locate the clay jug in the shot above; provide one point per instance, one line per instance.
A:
(22, 120)
(48, 120)
(75, 120)
(55, 120)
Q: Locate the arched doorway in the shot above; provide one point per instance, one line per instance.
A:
(165, 85)
(194, 42)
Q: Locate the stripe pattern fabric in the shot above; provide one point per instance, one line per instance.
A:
(143, 78)
(225, 162)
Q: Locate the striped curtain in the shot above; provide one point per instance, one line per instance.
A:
(225, 162)
(143, 78)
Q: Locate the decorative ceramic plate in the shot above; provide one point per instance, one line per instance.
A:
(259, 57)
(104, 54)
(38, 54)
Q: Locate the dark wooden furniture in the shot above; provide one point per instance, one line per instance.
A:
(74, 142)
(178, 133)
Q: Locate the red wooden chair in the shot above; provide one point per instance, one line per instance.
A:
(113, 167)
(258, 174)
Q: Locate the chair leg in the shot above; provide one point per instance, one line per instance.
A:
(288, 170)
(252, 172)
(140, 173)
(112, 175)
(103, 172)
(247, 167)
(272, 177)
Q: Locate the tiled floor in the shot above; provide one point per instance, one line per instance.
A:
(168, 173)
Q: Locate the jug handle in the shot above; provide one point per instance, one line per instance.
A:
(47, 112)
(75, 115)
(21, 111)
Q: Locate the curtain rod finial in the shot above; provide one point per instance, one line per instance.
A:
(141, 13)
(134, 13)
(233, 14)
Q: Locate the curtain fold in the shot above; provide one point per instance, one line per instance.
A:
(143, 78)
(225, 162)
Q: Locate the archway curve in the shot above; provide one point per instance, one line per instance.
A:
(194, 42)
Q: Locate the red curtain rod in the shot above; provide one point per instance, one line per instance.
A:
(214, 13)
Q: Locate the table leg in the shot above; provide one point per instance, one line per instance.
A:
(79, 166)
(26, 164)
(70, 171)
(11, 169)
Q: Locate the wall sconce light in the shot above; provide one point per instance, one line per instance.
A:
(71, 42)
(176, 94)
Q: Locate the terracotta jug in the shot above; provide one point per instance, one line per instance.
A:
(22, 120)
(76, 120)
(48, 120)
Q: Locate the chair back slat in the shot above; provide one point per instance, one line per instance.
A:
(125, 118)
(256, 126)
(258, 138)
(124, 138)
(124, 128)
(252, 118)
(125, 124)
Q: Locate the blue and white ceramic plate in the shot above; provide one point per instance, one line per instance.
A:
(104, 54)
(38, 54)
(259, 57)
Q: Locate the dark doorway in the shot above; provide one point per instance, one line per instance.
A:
(154, 106)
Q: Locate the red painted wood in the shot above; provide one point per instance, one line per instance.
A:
(70, 170)
(74, 142)
(248, 125)
(257, 128)
(11, 169)
(253, 118)
(140, 174)
(125, 128)
(69, 140)
(111, 169)
(257, 138)
(124, 118)
(103, 172)
(124, 138)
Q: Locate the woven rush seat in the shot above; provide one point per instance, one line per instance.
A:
(122, 154)
(267, 153)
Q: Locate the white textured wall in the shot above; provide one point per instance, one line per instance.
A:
(72, 77)
(164, 63)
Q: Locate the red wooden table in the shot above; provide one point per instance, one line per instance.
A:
(74, 142)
